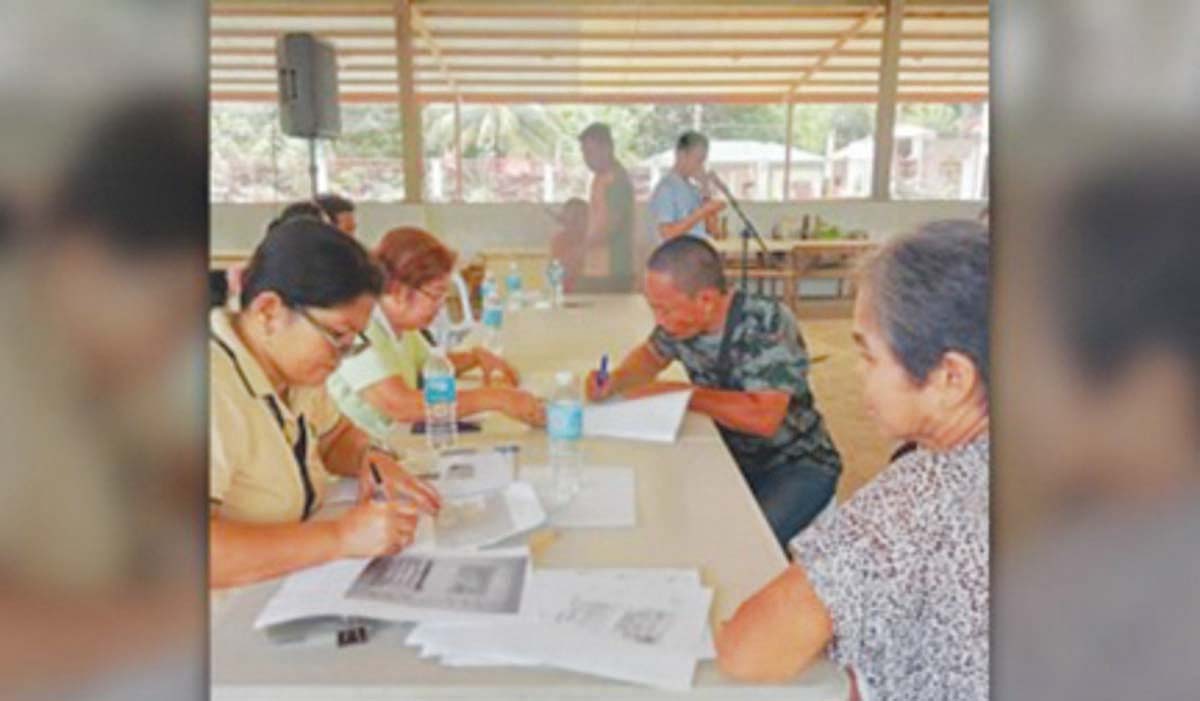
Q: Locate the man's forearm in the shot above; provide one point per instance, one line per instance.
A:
(682, 226)
(712, 224)
(638, 368)
(756, 413)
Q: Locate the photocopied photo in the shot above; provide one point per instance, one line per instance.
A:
(466, 472)
(471, 584)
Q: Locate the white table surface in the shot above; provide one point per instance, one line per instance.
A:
(693, 510)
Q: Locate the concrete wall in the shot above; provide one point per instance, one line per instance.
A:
(472, 227)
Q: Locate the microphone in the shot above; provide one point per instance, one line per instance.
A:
(720, 184)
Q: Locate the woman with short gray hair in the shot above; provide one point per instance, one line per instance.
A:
(894, 583)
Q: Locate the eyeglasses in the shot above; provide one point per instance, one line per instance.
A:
(435, 298)
(357, 345)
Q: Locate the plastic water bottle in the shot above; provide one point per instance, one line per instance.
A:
(555, 274)
(513, 282)
(564, 418)
(488, 286)
(441, 400)
(493, 320)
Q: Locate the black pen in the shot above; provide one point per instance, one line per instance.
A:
(380, 493)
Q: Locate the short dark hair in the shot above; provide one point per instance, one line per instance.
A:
(1124, 261)
(333, 204)
(930, 293)
(691, 139)
(597, 131)
(307, 209)
(311, 264)
(140, 181)
(691, 263)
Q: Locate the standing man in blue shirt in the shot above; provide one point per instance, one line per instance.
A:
(678, 206)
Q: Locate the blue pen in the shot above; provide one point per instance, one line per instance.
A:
(602, 376)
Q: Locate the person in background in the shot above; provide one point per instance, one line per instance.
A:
(894, 582)
(328, 208)
(609, 256)
(677, 206)
(340, 211)
(748, 368)
(275, 435)
(300, 208)
(229, 290)
(567, 244)
(382, 386)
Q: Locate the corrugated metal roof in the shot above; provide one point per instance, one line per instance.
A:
(754, 52)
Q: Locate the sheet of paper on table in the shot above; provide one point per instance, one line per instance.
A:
(647, 627)
(480, 521)
(420, 586)
(655, 419)
(462, 472)
(606, 498)
(682, 577)
(466, 472)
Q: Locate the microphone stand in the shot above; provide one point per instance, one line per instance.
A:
(748, 230)
(312, 164)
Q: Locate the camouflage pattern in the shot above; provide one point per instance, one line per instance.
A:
(766, 352)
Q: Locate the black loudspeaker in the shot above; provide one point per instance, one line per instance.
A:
(308, 87)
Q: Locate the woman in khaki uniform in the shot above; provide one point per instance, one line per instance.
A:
(276, 437)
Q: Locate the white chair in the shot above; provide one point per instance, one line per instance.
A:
(443, 327)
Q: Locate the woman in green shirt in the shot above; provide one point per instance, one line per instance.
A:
(380, 387)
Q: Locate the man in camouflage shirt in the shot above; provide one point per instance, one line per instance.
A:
(748, 366)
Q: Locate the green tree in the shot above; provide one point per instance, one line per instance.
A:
(370, 131)
(812, 123)
(944, 118)
(498, 130)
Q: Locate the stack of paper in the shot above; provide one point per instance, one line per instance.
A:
(656, 418)
(641, 626)
(438, 586)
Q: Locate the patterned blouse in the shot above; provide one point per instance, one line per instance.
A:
(902, 568)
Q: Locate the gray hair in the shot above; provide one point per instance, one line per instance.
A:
(930, 292)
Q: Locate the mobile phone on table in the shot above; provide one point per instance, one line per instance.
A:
(418, 428)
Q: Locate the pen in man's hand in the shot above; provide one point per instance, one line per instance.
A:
(602, 375)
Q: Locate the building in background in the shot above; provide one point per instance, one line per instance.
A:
(925, 164)
(753, 170)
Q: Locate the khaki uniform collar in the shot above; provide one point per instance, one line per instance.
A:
(248, 368)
